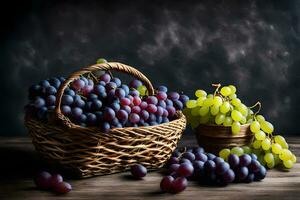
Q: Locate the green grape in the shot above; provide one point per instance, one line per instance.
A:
(260, 135)
(250, 112)
(249, 121)
(224, 153)
(267, 127)
(271, 165)
(235, 128)
(200, 101)
(186, 111)
(225, 107)
(255, 127)
(232, 96)
(260, 118)
(214, 110)
(101, 60)
(200, 93)
(205, 119)
(257, 151)
(236, 102)
(294, 158)
(288, 164)
(279, 139)
(203, 111)
(276, 148)
(191, 103)
(243, 109)
(232, 88)
(276, 159)
(247, 150)
(217, 101)
(208, 102)
(237, 150)
(284, 145)
(266, 144)
(142, 90)
(236, 115)
(285, 154)
(225, 91)
(220, 118)
(243, 120)
(260, 158)
(256, 144)
(227, 121)
(269, 157)
(194, 122)
(195, 111)
(210, 96)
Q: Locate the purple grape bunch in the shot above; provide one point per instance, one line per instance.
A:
(105, 102)
(195, 164)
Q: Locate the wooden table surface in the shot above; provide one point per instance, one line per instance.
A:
(21, 162)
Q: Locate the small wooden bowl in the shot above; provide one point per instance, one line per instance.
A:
(213, 138)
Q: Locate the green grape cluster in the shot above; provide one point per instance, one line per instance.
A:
(223, 107)
(224, 153)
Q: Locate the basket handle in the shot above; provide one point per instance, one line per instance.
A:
(103, 66)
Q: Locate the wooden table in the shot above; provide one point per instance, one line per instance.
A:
(21, 162)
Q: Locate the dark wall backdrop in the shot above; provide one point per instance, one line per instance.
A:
(182, 44)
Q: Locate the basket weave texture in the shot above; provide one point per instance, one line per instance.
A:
(88, 152)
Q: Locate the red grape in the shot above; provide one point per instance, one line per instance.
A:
(138, 171)
(56, 179)
(166, 183)
(62, 188)
(185, 169)
(43, 180)
(179, 184)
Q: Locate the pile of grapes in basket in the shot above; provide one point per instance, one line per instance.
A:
(224, 108)
(104, 101)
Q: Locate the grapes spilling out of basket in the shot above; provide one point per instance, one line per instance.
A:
(194, 164)
(224, 108)
(105, 102)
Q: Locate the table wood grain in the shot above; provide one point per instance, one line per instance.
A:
(20, 162)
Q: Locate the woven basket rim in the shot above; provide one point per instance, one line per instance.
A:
(219, 126)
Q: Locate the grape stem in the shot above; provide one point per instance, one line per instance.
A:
(259, 108)
(94, 77)
(218, 85)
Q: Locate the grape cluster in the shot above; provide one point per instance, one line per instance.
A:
(223, 107)
(105, 102)
(196, 165)
(45, 181)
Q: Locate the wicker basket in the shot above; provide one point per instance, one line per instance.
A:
(88, 152)
(214, 138)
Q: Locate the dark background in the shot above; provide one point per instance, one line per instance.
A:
(185, 45)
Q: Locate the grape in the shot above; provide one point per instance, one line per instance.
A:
(253, 156)
(203, 110)
(279, 139)
(43, 180)
(66, 110)
(209, 166)
(50, 101)
(135, 84)
(198, 150)
(143, 105)
(220, 119)
(173, 96)
(62, 188)
(218, 160)
(109, 114)
(237, 150)
(236, 102)
(208, 102)
(214, 110)
(87, 89)
(225, 107)
(183, 98)
(179, 184)
(242, 173)
(210, 156)
(245, 160)
(228, 176)
(217, 101)
(105, 127)
(236, 115)
(169, 102)
(261, 174)
(122, 115)
(171, 111)
(39, 102)
(138, 171)
(221, 168)
(255, 127)
(162, 88)
(117, 81)
(294, 158)
(260, 135)
(200, 93)
(134, 118)
(45, 83)
(77, 85)
(260, 118)
(51, 90)
(161, 96)
(125, 101)
(91, 118)
(134, 93)
(136, 109)
(224, 153)
(267, 127)
(173, 167)
(188, 155)
(105, 77)
(225, 91)
(151, 108)
(246, 149)
(288, 164)
(254, 166)
(101, 60)
(235, 128)
(201, 157)
(269, 157)
(256, 144)
(56, 179)
(55, 82)
(227, 121)
(266, 144)
(285, 155)
(166, 183)
(233, 160)
(250, 178)
(178, 105)
(185, 169)
(198, 168)
(76, 112)
(67, 100)
(232, 89)
(144, 114)
(184, 160)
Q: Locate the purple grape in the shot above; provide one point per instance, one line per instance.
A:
(242, 173)
(176, 153)
(67, 100)
(160, 111)
(165, 120)
(50, 101)
(117, 81)
(151, 108)
(69, 91)
(250, 178)
(143, 105)
(92, 96)
(96, 105)
(173, 168)
(162, 88)
(228, 176)
(79, 103)
(105, 77)
(165, 113)
(51, 90)
(44, 83)
(173, 96)
(82, 118)
(127, 109)
(125, 101)
(39, 102)
(254, 166)
(120, 93)
(88, 106)
(99, 89)
(86, 90)
(253, 156)
(179, 184)
(136, 109)
(43, 180)
(171, 111)
(135, 83)
(221, 168)
(159, 119)
(109, 114)
(198, 168)
(169, 102)
(115, 106)
(105, 127)
(56, 179)
(166, 183)
(42, 112)
(152, 118)
(125, 88)
(91, 119)
(162, 103)
(136, 101)
(76, 112)
(172, 160)
(134, 118)
(122, 115)
(188, 155)
(209, 166)
(78, 84)
(261, 174)
(152, 100)
(138, 171)
(178, 105)
(185, 169)
(184, 160)
(210, 156)
(134, 93)
(245, 160)
(233, 160)
(183, 99)
(218, 160)
(66, 110)
(161, 96)
(62, 188)
(144, 114)
(55, 82)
